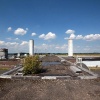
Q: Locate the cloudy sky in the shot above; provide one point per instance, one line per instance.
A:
(50, 23)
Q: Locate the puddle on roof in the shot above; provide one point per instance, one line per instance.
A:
(50, 63)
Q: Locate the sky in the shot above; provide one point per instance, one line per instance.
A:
(50, 23)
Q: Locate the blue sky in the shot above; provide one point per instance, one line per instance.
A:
(50, 23)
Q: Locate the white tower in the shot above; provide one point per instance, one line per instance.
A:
(70, 48)
(31, 47)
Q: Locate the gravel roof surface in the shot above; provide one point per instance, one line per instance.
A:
(59, 89)
(53, 67)
(9, 62)
(49, 89)
(50, 58)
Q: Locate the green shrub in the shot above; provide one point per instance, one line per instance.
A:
(31, 65)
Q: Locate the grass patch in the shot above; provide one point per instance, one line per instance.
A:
(94, 68)
(4, 68)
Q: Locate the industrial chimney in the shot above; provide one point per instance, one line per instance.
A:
(70, 48)
(31, 47)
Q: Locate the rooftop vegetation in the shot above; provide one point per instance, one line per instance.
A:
(31, 65)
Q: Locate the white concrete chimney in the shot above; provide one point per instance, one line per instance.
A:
(70, 48)
(31, 47)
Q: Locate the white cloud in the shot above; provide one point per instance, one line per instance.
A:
(12, 39)
(9, 28)
(9, 38)
(66, 38)
(2, 42)
(92, 37)
(69, 31)
(42, 36)
(86, 49)
(24, 43)
(44, 44)
(72, 36)
(46, 48)
(20, 31)
(33, 34)
(16, 38)
(26, 29)
(79, 37)
(61, 47)
(11, 44)
(57, 47)
(48, 36)
(89, 37)
(8, 44)
(15, 46)
(64, 47)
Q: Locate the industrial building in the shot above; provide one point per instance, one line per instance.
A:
(3, 53)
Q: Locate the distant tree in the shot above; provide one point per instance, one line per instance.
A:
(31, 65)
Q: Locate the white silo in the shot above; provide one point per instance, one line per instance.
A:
(70, 48)
(31, 47)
